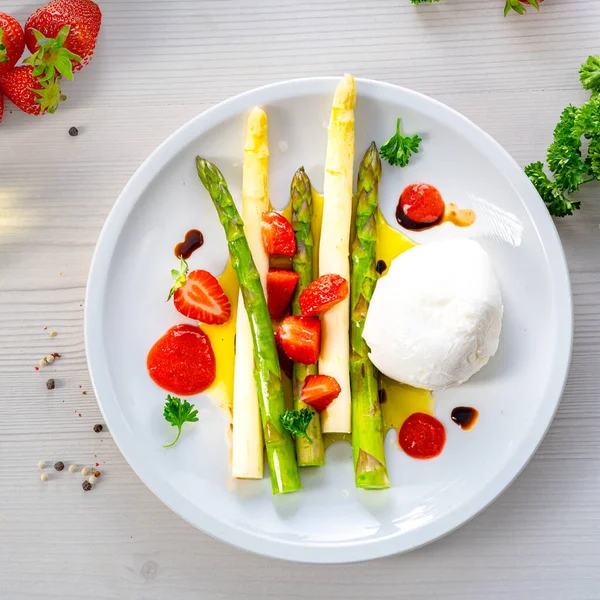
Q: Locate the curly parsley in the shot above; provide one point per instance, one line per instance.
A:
(399, 148)
(177, 413)
(296, 421)
(569, 167)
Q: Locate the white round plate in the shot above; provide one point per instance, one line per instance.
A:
(329, 521)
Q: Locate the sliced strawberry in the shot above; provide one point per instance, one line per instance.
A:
(278, 235)
(285, 363)
(280, 288)
(198, 295)
(320, 391)
(322, 294)
(300, 339)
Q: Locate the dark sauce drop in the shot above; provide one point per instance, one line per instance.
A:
(192, 241)
(381, 266)
(465, 417)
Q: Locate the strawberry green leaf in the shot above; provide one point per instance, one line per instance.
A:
(3, 55)
(179, 276)
(518, 7)
(54, 60)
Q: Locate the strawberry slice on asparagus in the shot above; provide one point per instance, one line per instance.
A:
(367, 419)
(278, 442)
(309, 449)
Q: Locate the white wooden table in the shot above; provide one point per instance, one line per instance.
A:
(158, 64)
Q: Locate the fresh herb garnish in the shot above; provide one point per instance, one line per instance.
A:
(422, 1)
(178, 413)
(399, 148)
(296, 421)
(179, 276)
(590, 74)
(564, 157)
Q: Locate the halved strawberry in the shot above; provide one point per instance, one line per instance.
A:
(277, 234)
(198, 295)
(280, 288)
(322, 294)
(300, 339)
(320, 391)
(285, 363)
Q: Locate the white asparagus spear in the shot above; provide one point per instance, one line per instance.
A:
(247, 439)
(334, 250)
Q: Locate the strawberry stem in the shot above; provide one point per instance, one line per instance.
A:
(3, 54)
(52, 60)
(49, 95)
(518, 7)
(179, 276)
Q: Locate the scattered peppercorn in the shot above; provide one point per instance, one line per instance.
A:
(92, 480)
(36, 368)
(72, 468)
(49, 359)
(73, 132)
(96, 473)
(44, 476)
(98, 428)
(50, 384)
(86, 485)
(84, 393)
(59, 466)
(41, 465)
(53, 334)
(85, 471)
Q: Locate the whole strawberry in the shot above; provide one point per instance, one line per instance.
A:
(84, 18)
(30, 93)
(12, 42)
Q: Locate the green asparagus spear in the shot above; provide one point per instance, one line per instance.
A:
(367, 419)
(280, 449)
(309, 450)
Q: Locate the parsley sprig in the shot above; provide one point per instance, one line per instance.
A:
(296, 421)
(399, 148)
(177, 413)
(569, 167)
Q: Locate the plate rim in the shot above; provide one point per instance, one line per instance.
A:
(347, 551)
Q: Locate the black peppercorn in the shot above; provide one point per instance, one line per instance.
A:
(86, 485)
(50, 384)
(59, 466)
(73, 132)
(98, 428)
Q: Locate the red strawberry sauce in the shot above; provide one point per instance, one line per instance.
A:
(420, 206)
(422, 436)
(182, 361)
